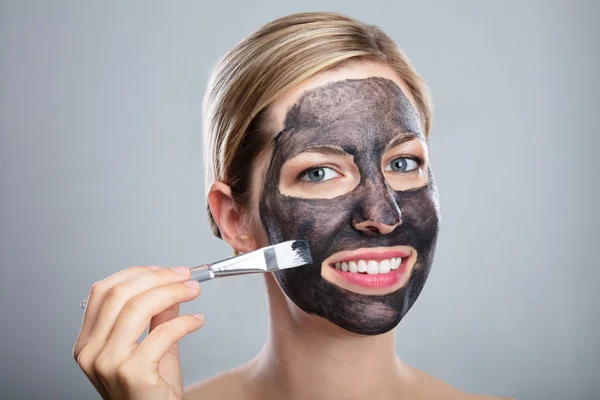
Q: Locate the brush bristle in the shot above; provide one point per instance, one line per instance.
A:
(293, 253)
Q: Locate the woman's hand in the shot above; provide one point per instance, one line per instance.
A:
(119, 309)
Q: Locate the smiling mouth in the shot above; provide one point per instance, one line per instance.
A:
(366, 266)
(372, 271)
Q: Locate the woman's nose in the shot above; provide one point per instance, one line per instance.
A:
(375, 227)
(378, 213)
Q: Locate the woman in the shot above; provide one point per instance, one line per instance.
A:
(316, 128)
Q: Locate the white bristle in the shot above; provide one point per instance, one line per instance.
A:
(291, 254)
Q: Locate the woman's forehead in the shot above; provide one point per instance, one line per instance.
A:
(279, 108)
(361, 105)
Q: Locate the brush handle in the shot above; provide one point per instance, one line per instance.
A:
(202, 273)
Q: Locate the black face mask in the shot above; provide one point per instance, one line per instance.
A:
(361, 116)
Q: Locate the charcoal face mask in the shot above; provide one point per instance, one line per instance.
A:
(361, 116)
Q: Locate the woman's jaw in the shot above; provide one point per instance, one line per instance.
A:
(370, 271)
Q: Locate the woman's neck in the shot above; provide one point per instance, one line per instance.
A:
(307, 357)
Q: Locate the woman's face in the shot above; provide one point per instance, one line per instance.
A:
(349, 172)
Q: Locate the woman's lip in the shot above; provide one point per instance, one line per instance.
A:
(371, 284)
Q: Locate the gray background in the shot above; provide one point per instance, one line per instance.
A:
(101, 169)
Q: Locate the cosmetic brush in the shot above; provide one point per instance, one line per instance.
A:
(290, 254)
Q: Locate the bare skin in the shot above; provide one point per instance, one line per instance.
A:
(325, 365)
(304, 356)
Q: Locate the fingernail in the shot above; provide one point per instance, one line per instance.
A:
(181, 270)
(199, 316)
(153, 267)
(192, 284)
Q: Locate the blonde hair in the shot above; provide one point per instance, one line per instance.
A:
(269, 62)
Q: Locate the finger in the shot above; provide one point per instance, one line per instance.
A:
(86, 363)
(161, 318)
(95, 299)
(153, 348)
(140, 309)
(118, 295)
(164, 316)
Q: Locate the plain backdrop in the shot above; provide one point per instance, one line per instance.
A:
(101, 168)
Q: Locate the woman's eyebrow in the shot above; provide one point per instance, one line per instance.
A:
(401, 138)
(324, 149)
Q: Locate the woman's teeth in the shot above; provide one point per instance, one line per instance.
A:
(369, 266)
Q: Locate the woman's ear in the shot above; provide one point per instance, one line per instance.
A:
(232, 224)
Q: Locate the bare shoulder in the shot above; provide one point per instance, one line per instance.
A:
(230, 384)
(428, 387)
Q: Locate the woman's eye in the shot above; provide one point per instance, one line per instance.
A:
(319, 174)
(402, 164)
